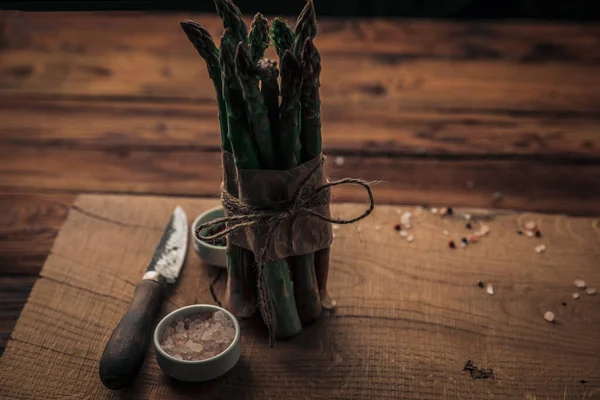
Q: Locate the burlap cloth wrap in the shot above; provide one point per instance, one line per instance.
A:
(294, 233)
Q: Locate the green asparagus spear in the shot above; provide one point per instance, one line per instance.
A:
(238, 299)
(245, 154)
(306, 27)
(283, 37)
(281, 295)
(258, 37)
(244, 151)
(276, 276)
(207, 49)
(310, 131)
(306, 290)
(268, 73)
(278, 283)
(255, 105)
(232, 19)
(291, 85)
(302, 266)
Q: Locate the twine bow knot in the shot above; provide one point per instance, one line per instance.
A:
(305, 201)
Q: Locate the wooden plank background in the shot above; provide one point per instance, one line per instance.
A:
(409, 316)
(121, 103)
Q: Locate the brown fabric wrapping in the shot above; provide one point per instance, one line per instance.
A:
(294, 235)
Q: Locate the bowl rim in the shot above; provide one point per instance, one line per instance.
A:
(197, 221)
(200, 307)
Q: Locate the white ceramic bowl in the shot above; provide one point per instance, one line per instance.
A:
(197, 371)
(211, 254)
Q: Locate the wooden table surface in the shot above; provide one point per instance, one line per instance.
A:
(443, 113)
(409, 315)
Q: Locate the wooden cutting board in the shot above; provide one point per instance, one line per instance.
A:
(409, 315)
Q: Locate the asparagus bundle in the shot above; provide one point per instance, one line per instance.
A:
(263, 133)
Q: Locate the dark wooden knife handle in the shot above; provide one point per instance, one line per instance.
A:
(124, 353)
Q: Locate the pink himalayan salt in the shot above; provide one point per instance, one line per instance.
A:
(198, 337)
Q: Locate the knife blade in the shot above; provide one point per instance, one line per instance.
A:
(126, 348)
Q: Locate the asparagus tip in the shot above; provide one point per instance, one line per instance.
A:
(258, 37)
(232, 18)
(225, 6)
(307, 20)
(191, 27)
(259, 25)
(283, 36)
(202, 41)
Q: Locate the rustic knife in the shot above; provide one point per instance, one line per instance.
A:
(124, 353)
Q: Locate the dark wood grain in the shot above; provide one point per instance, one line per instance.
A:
(498, 86)
(97, 62)
(32, 121)
(559, 186)
(29, 223)
(404, 39)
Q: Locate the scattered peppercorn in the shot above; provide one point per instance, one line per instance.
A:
(464, 240)
(450, 211)
(583, 381)
(538, 233)
(468, 225)
(451, 244)
(564, 303)
(480, 284)
(520, 232)
(398, 227)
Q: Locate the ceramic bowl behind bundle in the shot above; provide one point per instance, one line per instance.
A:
(209, 253)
